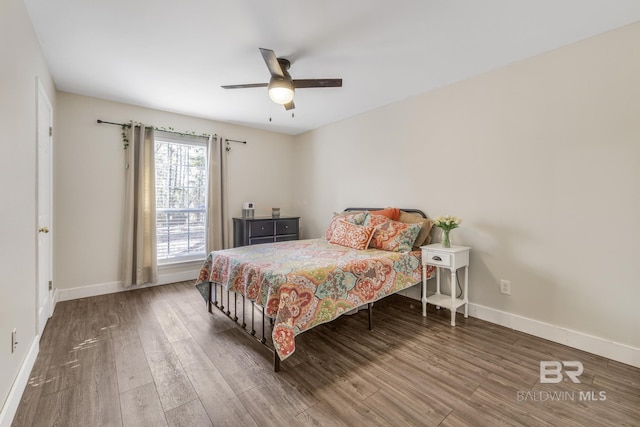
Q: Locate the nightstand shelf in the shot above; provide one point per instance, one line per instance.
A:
(442, 300)
(451, 258)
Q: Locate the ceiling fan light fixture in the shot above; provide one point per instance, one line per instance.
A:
(281, 91)
(281, 86)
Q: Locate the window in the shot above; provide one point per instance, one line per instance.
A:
(181, 182)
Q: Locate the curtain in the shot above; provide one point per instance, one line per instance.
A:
(217, 228)
(140, 260)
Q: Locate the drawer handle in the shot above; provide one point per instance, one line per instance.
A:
(262, 228)
(436, 258)
(286, 226)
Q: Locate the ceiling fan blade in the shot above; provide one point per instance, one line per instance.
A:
(304, 83)
(273, 65)
(250, 85)
(289, 106)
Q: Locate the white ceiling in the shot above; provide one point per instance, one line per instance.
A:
(174, 55)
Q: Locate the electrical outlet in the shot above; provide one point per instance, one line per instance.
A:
(14, 340)
(505, 287)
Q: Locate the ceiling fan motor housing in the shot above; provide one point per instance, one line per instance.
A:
(285, 64)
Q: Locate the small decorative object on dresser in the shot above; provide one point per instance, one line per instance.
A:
(267, 229)
(247, 210)
(451, 258)
(275, 212)
(446, 223)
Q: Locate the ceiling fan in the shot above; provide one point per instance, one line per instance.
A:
(281, 85)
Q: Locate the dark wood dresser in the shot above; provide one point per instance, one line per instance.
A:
(266, 229)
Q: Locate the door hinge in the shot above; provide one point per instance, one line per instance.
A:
(50, 131)
(50, 284)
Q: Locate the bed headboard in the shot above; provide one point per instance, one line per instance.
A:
(416, 211)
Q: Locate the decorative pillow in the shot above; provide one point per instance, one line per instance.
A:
(374, 220)
(351, 235)
(424, 237)
(391, 213)
(392, 235)
(357, 218)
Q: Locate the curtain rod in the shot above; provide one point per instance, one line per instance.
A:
(111, 123)
(163, 130)
(234, 140)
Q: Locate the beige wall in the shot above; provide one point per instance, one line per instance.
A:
(541, 159)
(89, 182)
(21, 62)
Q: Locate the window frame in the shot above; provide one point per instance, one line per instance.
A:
(189, 140)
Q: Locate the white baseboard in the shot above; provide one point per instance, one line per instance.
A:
(10, 407)
(54, 301)
(113, 287)
(595, 345)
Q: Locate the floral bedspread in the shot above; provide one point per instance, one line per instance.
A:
(304, 283)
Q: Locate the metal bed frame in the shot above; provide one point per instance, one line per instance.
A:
(260, 336)
(212, 300)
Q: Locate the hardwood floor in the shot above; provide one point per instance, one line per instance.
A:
(155, 356)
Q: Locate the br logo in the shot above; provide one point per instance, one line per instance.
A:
(551, 371)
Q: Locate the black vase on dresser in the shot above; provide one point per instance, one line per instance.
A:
(266, 229)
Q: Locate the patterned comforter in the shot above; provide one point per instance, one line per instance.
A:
(304, 283)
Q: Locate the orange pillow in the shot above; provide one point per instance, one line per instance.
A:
(351, 235)
(391, 213)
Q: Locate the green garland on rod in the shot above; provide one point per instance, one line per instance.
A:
(125, 139)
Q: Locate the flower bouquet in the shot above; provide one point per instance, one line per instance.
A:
(446, 223)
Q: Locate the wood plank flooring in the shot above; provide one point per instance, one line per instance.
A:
(155, 357)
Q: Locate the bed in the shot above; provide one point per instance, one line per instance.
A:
(297, 285)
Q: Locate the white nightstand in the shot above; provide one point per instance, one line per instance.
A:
(452, 258)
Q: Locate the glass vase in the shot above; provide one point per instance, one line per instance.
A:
(446, 242)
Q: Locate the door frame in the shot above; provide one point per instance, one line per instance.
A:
(44, 306)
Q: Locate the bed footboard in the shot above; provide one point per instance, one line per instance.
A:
(217, 297)
(240, 310)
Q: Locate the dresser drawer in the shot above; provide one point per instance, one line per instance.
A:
(262, 228)
(438, 258)
(286, 237)
(287, 226)
(259, 240)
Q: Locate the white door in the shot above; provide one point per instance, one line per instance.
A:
(44, 129)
